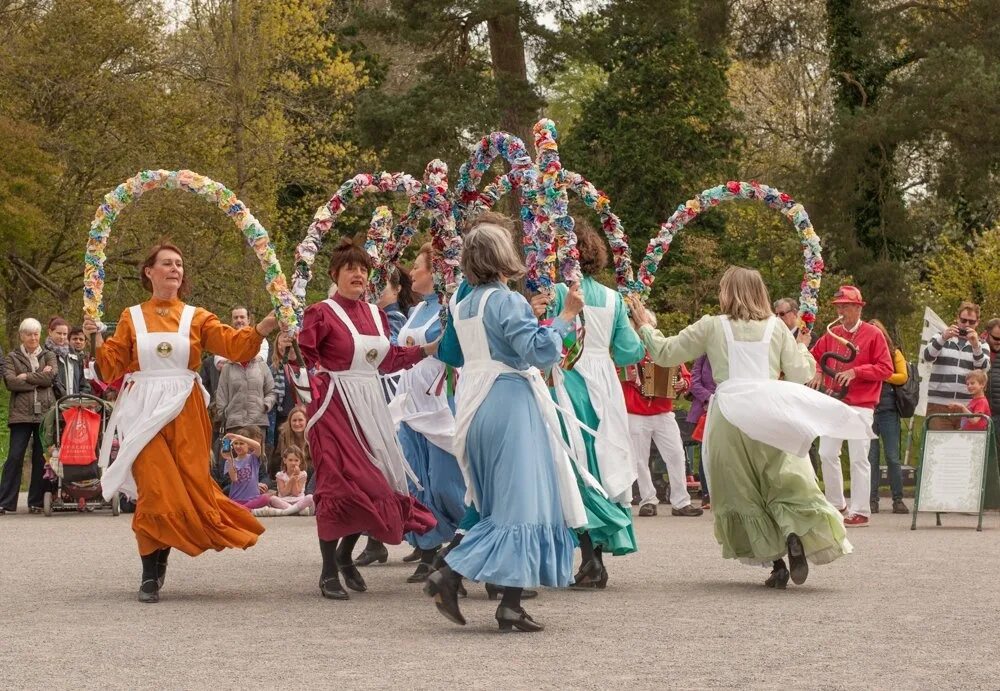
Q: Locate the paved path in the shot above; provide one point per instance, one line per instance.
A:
(907, 610)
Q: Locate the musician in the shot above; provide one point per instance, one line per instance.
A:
(651, 419)
(862, 376)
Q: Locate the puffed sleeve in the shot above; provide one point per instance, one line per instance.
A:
(626, 347)
(115, 354)
(539, 346)
(238, 345)
(399, 357)
(689, 344)
(310, 335)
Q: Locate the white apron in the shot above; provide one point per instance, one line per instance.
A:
(361, 393)
(612, 445)
(149, 399)
(479, 373)
(416, 401)
(782, 414)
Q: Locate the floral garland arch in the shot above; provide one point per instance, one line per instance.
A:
(287, 307)
(736, 191)
(327, 215)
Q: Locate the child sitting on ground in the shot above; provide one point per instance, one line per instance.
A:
(975, 382)
(291, 486)
(242, 451)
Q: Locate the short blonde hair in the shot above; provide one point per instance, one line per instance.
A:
(488, 254)
(976, 375)
(30, 326)
(743, 295)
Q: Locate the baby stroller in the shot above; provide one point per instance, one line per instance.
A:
(72, 433)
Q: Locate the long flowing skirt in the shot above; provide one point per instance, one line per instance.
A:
(443, 486)
(179, 504)
(761, 494)
(522, 539)
(608, 523)
(351, 494)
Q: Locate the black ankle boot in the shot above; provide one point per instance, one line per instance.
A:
(329, 579)
(346, 566)
(424, 568)
(443, 587)
(779, 576)
(373, 552)
(798, 567)
(149, 589)
(161, 566)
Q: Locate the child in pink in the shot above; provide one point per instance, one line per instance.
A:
(292, 484)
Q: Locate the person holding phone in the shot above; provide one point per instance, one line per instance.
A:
(953, 353)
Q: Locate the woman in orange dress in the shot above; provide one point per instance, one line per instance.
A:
(162, 423)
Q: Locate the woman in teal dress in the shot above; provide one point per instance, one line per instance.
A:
(765, 497)
(591, 388)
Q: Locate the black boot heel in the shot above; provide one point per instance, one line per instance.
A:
(371, 555)
(352, 577)
(149, 591)
(443, 587)
(161, 566)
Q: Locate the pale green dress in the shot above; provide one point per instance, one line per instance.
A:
(760, 494)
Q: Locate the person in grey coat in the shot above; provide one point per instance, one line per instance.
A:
(29, 372)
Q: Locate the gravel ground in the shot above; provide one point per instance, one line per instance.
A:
(906, 610)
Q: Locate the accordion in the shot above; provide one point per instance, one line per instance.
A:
(658, 382)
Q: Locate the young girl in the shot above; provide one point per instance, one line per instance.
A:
(291, 485)
(292, 432)
(243, 467)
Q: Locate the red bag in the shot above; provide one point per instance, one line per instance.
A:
(79, 437)
(699, 430)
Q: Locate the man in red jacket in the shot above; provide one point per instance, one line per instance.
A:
(863, 378)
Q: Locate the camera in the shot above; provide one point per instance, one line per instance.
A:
(227, 445)
(963, 331)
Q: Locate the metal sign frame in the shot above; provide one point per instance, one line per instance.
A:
(989, 462)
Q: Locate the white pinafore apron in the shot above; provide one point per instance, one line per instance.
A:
(361, 393)
(611, 445)
(149, 399)
(479, 373)
(782, 414)
(417, 402)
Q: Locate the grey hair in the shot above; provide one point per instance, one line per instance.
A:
(30, 326)
(488, 254)
(791, 303)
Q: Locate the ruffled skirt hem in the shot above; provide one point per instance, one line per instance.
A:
(386, 519)
(759, 538)
(520, 556)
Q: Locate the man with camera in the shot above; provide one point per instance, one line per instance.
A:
(953, 353)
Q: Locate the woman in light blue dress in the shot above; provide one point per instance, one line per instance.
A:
(506, 431)
(427, 423)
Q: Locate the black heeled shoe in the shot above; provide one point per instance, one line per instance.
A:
(508, 618)
(779, 577)
(332, 589)
(443, 587)
(460, 588)
(495, 591)
(798, 567)
(370, 556)
(412, 556)
(588, 576)
(149, 591)
(352, 577)
(420, 575)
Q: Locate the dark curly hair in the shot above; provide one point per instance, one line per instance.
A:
(593, 252)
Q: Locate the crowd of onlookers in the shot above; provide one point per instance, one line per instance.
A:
(249, 400)
(261, 455)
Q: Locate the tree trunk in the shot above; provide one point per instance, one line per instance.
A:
(518, 103)
(237, 100)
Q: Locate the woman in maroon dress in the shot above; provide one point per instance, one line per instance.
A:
(360, 470)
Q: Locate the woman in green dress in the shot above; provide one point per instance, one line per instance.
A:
(765, 497)
(592, 390)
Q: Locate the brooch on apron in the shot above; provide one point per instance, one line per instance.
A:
(371, 355)
(164, 349)
(410, 341)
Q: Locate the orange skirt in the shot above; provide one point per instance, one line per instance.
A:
(179, 503)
